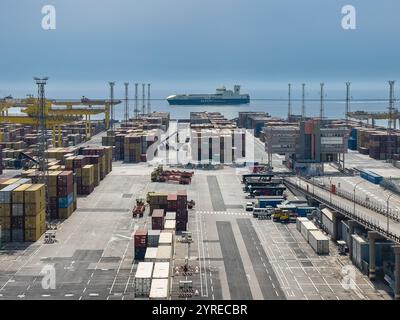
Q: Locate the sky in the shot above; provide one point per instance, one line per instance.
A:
(197, 44)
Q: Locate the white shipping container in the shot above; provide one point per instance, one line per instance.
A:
(307, 226)
(170, 225)
(170, 215)
(161, 270)
(327, 220)
(298, 222)
(159, 289)
(318, 241)
(151, 254)
(143, 277)
(165, 239)
(164, 253)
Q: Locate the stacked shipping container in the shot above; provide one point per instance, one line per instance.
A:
(22, 211)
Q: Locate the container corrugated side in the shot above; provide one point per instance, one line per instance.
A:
(298, 222)
(143, 277)
(318, 241)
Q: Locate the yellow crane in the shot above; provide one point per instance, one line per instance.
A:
(55, 114)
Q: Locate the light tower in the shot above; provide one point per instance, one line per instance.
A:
(392, 119)
(289, 101)
(321, 108)
(303, 100)
(347, 101)
(143, 99)
(42, 128)
(148, 99)
(136, 101)
(126, 84)
(112, 84)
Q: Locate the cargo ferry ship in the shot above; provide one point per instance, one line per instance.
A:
(222, 96)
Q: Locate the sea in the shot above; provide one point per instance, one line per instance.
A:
(269, 97)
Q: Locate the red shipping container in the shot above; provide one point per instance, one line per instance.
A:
(141, 238)
(64, 191)
(157, 219)
(65, 178)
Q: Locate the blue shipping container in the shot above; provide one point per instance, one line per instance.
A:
(66, 201)
(303, 211)
(263, 203)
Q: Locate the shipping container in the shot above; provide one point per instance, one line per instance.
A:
(152, 238)
(161, 270)
(6, 193)
(141, 238)
(159, 289)
(306, 227)
(318, 241)
(298, 222)
(142, 281)
(140, 253)
(170, 225)
(270, 201)
(164, 253)
(170, 216)
(151, 254)
(165, 239)
(327, 220)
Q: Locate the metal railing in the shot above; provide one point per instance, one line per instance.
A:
(381, 208)
(348, 211)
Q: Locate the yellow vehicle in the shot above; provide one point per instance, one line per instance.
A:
(284, 216)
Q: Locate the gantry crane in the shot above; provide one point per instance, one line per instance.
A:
(55, 114)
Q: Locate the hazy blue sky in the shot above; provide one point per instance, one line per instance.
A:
(208, 41)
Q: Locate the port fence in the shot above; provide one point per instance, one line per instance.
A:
(348, 211)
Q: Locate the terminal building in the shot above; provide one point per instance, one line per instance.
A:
(307, 146)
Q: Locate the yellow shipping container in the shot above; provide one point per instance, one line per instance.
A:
(33, 235)
(53, 175)
(88, 175)
(9, 182)
(5, 222)
(25, 173)
(5, 209)
(18, 193)
(33, 209)
(34, 194)
(37, 221)
(69, 162)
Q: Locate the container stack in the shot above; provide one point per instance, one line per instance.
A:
(157, 200)
(152, 238)
(181, 211)
(35, 212)
(140, 244)
(66, 195)
(132, 148)
(87, 179)
(22, 212)
(143, 278)
(160, 282)
(157, 219)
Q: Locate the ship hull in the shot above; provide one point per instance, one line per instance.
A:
(191, 102)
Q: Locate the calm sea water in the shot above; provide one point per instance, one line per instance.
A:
(365, 96)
